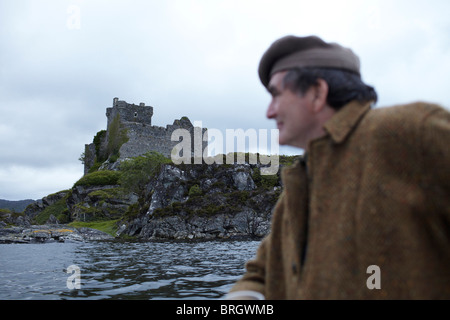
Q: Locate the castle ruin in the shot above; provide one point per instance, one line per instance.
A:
(130, 133)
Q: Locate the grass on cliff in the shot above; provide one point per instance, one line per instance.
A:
(109, 226)
(7, 213)
(59, 210)
(99, 178)
(133, 173)
(138, 171)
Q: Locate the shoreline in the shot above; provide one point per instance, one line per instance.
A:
(61, 233)
(50, 233)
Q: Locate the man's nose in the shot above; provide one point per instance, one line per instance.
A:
(271, 111)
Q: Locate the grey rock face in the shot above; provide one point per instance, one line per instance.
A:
(243, 180)
(204, 202)
(35, 208)
(185, 201)
(94, 202)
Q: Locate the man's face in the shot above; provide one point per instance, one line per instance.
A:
(292, 112)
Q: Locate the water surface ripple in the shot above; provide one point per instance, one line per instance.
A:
(123, 270)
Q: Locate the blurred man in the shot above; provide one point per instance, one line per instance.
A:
(365, 214)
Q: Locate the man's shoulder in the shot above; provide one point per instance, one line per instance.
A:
(406, 110)
(404, 114)
(405, 122)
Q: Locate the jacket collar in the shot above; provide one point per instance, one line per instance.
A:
(343, 121)
(338, 127)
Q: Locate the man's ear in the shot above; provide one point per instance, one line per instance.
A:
(320, 91)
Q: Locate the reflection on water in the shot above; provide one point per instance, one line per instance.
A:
(123, 270)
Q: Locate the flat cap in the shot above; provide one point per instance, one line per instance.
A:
(291, 52)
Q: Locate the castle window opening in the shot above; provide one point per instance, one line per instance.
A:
(135, 114)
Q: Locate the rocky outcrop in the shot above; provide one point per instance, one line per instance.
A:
(205, 202)
(106, 202)
(184, 201)
(243, 224)
(50, 233)
(34, 209)
(8, 218)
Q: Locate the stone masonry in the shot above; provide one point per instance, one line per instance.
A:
(141, 136)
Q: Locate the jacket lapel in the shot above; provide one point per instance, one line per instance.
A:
(343, 121)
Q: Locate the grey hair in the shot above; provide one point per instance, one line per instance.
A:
(343, 86)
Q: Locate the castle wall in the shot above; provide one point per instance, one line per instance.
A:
(143, 139)
(142, 136)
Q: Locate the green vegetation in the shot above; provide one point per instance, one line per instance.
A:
(59, 210)
(132, 176)
(206, 208)
(99, 157)
(63, 217)
(137, 172)
(267, 182)
(99, 178)
(99, 137)
(82, 157)
(109, 226)
(195, 191)
(133, 212)
(5, 214)
(287, 160)
(116, 138)
(210, 210)
(106, 194)
(173, 208)
(97, 211)
(102, 209)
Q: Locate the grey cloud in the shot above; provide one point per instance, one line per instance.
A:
(185, 58)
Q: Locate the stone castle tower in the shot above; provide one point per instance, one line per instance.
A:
(130, 112)
(130, 133)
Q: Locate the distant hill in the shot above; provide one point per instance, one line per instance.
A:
(15, 206)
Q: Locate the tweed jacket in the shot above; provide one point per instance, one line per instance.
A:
(371, 205)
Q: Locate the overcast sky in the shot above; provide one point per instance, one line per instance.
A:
(63, 61)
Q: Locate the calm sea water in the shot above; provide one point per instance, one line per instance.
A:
(123, 270)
